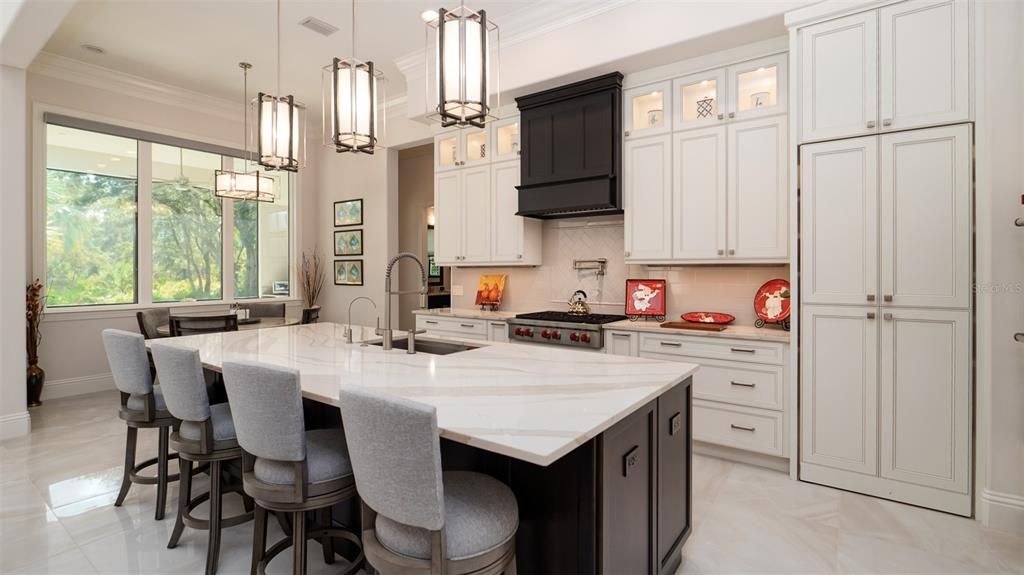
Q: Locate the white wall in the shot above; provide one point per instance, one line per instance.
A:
(1000, 293)
(13, 415)
(415, 195)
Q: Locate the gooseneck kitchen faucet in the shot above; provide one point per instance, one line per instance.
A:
(387, 299)
(347, 332)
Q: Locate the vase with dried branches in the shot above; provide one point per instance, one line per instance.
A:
(35, 304)
(312, 275)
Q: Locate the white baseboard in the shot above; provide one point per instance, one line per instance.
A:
(73, 386)
(741, 456)
(1003, 511)
(15, 425)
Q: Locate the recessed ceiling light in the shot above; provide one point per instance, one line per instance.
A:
(319, 26)
(93, 49)
(429, 15)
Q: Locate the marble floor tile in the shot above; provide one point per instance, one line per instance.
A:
(71, 562)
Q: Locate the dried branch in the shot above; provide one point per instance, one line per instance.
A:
(35, 304)
(312, 276)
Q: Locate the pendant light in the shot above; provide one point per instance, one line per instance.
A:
(464, 73)
(244, 185)
(353, 111)
(280, 124)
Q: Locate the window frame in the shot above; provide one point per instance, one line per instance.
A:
(144, 205)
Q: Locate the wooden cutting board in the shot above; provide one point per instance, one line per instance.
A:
(693, 326)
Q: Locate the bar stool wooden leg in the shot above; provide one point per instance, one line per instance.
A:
(510, 569)
(161, 473)
(299, 543)
(327, 543)
(259, 538)
(213, 549)
(184, 496)
(129, 464)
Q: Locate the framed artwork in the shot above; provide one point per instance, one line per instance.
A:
(489, 289)
(348, 242)
(348, 213)
(348, 272)
(645, 298)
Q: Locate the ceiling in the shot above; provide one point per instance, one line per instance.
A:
(197, 44)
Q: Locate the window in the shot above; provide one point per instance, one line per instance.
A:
(94, 228)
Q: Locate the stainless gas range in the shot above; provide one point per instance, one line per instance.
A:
(575, 330)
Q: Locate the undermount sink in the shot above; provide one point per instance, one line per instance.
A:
(430, 346)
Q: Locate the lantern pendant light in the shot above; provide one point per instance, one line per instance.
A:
(244, 185)
(464, 74)
(353, 102)
(280, 124)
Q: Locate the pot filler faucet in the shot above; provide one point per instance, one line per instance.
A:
(387, 299)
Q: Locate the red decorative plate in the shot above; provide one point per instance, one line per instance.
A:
(708, 317)
(772, 302)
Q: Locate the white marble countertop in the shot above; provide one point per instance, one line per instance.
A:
(766, 333)
(534, 403)
(466, 313)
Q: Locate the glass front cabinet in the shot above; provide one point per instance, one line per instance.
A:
(505, 140)
(700, 99)
(648, 110)
(757, 87)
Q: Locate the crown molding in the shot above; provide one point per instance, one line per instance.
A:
(76, 71)
(526, 24)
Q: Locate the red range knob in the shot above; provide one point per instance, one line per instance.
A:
(556, 335)
(585, 337)
(574, 336)
(519, 331)
(529, 332)
(545, 334)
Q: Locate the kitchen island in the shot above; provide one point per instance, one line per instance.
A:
(596, 447)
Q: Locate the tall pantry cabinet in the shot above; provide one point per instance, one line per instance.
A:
(885, 245)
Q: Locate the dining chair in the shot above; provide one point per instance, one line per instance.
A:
(264, 309)
(311, 314)
(191, 325)
(206, 435)
(285, 468)
(150, 319)
(142, 407)
(416, 517)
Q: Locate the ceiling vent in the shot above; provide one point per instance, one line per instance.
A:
(319, 26)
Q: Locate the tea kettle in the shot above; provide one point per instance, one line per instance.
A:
(578, 303)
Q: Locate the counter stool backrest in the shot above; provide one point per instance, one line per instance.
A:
(266, 406)
(129, 363)
(182, 381)
(395, 451)
(264, 309)
(150, 319)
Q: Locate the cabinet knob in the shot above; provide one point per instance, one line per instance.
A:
(721, 116)
(520, 256)
(732, 252)
(721, 252)
(871, 315)
(871, 124)
(627, 254)
(887, 316)
(887, 122)
(887, 298)
(871, 297)
(626, 133)
(732, 114)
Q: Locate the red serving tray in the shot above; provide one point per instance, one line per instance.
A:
(711, 317)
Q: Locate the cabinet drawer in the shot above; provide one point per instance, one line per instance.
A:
(740, 427)
(713, 348)
(453, 326)
(738, 383)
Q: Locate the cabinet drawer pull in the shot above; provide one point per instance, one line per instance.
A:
(630, 459)
(742, 427)
(887, 298)
(743, 384)
(871, 297)
(871, 315)
(626, 335)
(721, 252)
(467, 325)
(732, 114)
(871, 124)
(742, 350)
(431, 322)
(675, 423)
(887, 122)
(887, 316)
(671, 344)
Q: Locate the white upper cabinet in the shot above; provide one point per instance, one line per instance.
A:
(699, 194)
(700, 99)
(648, 110)
(839, 221)
(926, 218)
(838, 77)
(757, 88)
(758, 222)
(515, 239)
(647, 190)
(839, 387)
(474, 142)
(923, 66)
(476, 218)
(446, 151)
(448, 217)
(505, 140)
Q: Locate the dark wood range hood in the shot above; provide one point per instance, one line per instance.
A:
(572, 150)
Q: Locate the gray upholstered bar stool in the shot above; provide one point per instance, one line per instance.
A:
(206, 436)
(142, 407)
(416, 518)
(285, 468)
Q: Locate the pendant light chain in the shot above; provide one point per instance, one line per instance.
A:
(278, 60)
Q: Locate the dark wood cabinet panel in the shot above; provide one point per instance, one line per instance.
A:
(674, 474)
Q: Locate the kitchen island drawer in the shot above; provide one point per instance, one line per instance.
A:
(713, 348)
(739, 383)
(471, 328)
(746, 428)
